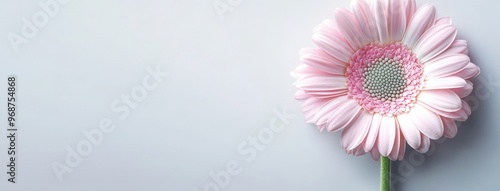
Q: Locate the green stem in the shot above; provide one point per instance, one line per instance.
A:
(385, 174)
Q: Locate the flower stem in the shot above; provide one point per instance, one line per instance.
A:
(385, 173)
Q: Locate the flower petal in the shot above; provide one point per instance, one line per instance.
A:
(375, 153)
(426, 143)
(434, 41)
(326, 26)
(328, 93)
(373, 133)
(396, 20)
(321, 127)
(304, 70)
(457, 47)
(444, 100)
(323, 114)
(468, 72)
(443, 20)
(460, 47)
(349, 28)
(465, 91)
(311, 106)
(386, 135)
(466, 108)
(319, 59)
(422, 20)
(459, 115)
(358, 151)
(321, 83)
(354, 134)
(313, 103)
(445, 83)
(402, 147)
(343, 115)
(450, 127)
(445, 66)
(411, 8)
(366, 21)
(427, 122)
(396, 145)
(379, 10)
(301, 95)
(334, 44)
(409, 130)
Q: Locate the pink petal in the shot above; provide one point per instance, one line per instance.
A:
(457, 47)
(328, 93)
(445, 83)
(375, 153)
(426, 143)
(311, 106)
(411, 8)
(444, 100)
(395, 147)
(301, 95)
(343, 115)
(402, 147)
(465, 91)
(323, 114)
(466, 107)
(396, 20)
(349, 28)
(321, 127)
(304, 70)
(321, 83)
(445, 66)
(366, 21)
(356, 151)
(334, 44)
(468, 72)
(326, 26)
(422, 20)
(434, 41)
(313, 103)
(355, 133)
(373, 133)
(426, 122)
(379, 10)
(450, 127)
(459, 115)
(319, 59)
(409, 130)
(359, 151)
(386, 135)
(443, 20)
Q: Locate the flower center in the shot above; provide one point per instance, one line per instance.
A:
(384, 78)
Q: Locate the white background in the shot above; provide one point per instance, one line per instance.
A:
(226, 79)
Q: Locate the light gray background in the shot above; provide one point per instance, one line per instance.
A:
(226, 79)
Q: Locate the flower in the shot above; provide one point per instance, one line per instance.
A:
(386, 74)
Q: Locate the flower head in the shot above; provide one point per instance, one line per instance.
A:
(386, 74)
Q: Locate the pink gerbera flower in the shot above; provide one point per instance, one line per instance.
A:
(386, 74)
